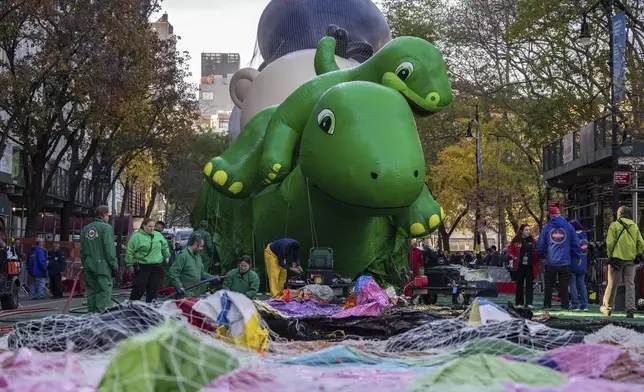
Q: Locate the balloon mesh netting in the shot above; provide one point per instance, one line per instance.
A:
(147, 348)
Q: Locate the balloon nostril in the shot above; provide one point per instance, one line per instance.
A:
(415, 173)
(374, 175)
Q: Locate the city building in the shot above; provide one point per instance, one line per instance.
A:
(163, 27)
(217, 69)
(222, 64)
(217, 123)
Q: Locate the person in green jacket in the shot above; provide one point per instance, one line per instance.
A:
(243, 279)
(209, 246)
(187, 270)
(624, 243)
(98, 257)
(147, 253)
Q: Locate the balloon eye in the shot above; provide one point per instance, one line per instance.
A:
(326, 121)
(404, 70)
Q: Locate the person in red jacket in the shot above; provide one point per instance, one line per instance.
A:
(525, 261)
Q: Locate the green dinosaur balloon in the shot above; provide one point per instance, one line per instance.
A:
(409, 65)
(358, 183)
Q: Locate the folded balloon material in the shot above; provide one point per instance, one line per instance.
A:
(488, 373)
(325, 328)
(371, 299)
(157, 361)
(91, 332)
(453, 333)
(30, 371)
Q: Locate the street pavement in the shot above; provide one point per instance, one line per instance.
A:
(57, 306)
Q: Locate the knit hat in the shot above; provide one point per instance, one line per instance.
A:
(577, 225)
(554, 211)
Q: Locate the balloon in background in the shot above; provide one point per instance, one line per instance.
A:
(234, 123)
(287, 26)
(253, 91)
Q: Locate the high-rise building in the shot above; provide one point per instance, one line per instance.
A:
(217, 70)
(221, 64)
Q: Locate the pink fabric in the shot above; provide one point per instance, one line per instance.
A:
(30, 371)
(589, 360)
(580, 385)
(305, 378)
(371, 300)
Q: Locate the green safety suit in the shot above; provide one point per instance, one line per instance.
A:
(144, 248)
(187, 270)
(247, 284)
(98, 257)
(208, 247)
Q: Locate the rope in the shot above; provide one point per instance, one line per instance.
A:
(288, 209)
(314, 236)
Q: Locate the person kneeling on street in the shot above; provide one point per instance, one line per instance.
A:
(243, 280)
(188, 270)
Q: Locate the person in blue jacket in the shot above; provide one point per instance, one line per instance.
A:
(56, 269)
(559, 244)
(578, 292)
(37, 268)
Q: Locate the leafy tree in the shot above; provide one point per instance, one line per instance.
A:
(181, 182)
(414, 18)
(79, 77)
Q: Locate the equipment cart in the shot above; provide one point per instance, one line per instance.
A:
(320, 271)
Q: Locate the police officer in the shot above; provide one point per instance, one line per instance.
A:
(98, 256)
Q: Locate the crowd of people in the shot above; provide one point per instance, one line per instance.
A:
(563, 247)
(157, 262)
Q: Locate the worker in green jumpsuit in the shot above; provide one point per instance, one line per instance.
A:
(243, 279)
(98, 257)
(208, 246)
(187, 270)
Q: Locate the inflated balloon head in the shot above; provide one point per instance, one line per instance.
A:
(361, 148)
(416, 69)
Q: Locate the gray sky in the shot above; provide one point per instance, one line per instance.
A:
(223, 26)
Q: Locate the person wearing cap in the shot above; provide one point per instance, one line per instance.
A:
(578, 292)
(623, 243)
(208, 247)
(559, 244)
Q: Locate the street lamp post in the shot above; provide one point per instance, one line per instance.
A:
(479, 171)
(584, 38)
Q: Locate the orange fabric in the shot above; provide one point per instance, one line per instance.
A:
(350, 302)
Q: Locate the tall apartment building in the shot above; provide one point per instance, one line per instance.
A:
(217, 70)
(219, 64)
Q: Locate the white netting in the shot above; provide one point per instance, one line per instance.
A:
(182, 346)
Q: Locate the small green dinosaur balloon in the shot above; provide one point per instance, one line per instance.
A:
(358, 182)
(411, 66)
